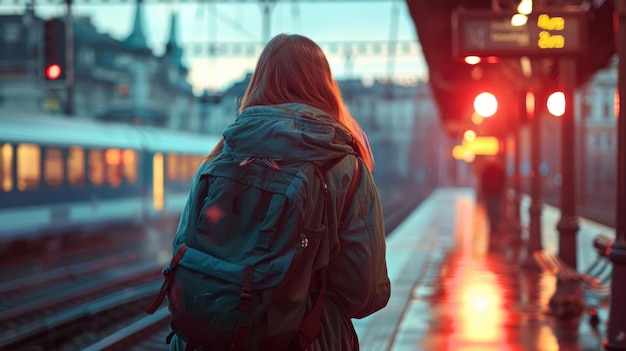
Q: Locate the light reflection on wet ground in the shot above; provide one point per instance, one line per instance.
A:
(484, 296)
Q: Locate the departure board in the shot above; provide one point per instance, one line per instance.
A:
(489, 33)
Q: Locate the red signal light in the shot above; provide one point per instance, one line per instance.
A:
(53, 71)
(556, 103)
(485, 104)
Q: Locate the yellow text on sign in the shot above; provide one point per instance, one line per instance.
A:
(547, 23)
(547, 40)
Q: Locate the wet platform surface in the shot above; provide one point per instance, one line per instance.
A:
(456, 288)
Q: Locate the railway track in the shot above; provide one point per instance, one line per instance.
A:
(146, 333)
(46, 315)
(77, 327)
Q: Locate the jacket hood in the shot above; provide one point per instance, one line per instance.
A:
(290, 132)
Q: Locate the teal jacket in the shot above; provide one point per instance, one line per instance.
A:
(358, 284)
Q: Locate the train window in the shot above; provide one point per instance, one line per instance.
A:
(96, 167)
(28, 167)
(113, 162)
(76, 166)
(158, 194)
(182, 167)
(172, 166)
(53, 167)
(190, 167)
(129, 166)
(191, 161)
(197, 162)
(6, 167)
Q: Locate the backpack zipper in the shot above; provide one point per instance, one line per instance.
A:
(271, 163)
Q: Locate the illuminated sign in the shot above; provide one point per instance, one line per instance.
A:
(483, 145)
(488, 33)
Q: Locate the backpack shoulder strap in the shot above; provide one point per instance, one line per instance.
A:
(356, 174)
(311, 324)
(356, 178)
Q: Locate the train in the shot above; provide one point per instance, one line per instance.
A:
(63, 174)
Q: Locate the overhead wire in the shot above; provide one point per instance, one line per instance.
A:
(393, 38)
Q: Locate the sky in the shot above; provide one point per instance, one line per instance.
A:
(242, 21)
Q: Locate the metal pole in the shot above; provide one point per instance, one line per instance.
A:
(268, 5)
(536, 205)
(566, 301)
(568, 223)
(535, 93)
(527, 112)
(393, 38)
(616, 332)
(517, 186)
(69, 60)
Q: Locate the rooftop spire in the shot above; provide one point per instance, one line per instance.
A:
(137, 39)
(173, 49)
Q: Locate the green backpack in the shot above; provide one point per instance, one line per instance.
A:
(243, 275)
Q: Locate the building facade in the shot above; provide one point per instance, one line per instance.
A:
(119, 80)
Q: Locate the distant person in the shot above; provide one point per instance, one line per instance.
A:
(493, 187)
(292, 111)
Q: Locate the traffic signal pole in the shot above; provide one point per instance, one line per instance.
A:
(566, 302)
(616, 332)
(69, 60)
(568, 223)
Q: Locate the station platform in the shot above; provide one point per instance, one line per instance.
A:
(456, 288)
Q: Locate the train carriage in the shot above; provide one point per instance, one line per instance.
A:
(60, 175)
(171, 159)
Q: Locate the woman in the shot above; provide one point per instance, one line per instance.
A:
(293, 109)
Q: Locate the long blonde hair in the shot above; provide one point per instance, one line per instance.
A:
(293, 68)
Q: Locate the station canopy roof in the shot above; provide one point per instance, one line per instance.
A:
(455, 83)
